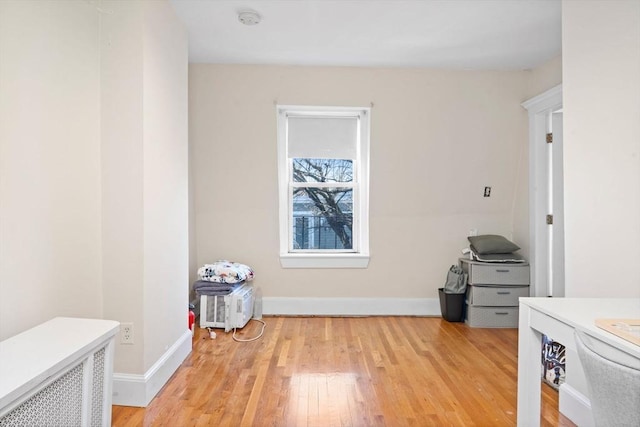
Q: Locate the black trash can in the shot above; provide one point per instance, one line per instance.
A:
(451, 306)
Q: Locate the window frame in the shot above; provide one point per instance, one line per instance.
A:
(358, 256)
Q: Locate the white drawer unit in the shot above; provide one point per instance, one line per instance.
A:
(493, 290)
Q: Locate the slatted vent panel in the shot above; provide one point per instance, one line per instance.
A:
(58, 404)
(98, 388)
(212, 311)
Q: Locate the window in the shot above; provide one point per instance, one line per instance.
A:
(323, 161)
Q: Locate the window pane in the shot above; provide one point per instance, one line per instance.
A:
(322, 170)
(322, 218)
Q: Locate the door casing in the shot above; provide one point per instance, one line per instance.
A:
(539, 109)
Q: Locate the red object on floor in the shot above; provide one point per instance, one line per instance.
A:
(192, 320)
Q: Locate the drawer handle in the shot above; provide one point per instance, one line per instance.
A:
(503, 293)
(501, 313)
(502, 271)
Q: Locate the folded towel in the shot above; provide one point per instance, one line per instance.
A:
(213, 292)
(202, 287)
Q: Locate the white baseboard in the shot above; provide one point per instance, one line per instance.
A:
(575, 406)
(351, 306)
(139, 390)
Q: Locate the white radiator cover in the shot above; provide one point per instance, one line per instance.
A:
(58, 373)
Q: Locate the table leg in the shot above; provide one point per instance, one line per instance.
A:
(529, 354)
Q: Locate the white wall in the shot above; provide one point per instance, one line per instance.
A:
(165, 180)
(545, 76)
(93, 176)
(145, 182)
(601, 90)
(49, 163)
(601, 101)
(437, 138)
(122, 176)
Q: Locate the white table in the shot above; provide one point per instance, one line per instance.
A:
(558, 318)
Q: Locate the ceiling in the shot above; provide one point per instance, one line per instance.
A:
(458, 34)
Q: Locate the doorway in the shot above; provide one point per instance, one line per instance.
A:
(546, 193)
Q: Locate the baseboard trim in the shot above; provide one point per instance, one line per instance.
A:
(139, 390)
(351, 306)
(575, 406)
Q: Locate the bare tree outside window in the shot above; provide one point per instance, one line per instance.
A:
(322, 203)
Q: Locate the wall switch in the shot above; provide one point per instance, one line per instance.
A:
(126, 333)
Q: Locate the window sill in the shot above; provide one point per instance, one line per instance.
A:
(324, 260)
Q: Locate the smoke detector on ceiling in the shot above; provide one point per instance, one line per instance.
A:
(249, 17)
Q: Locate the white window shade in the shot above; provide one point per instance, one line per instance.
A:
(322, 137)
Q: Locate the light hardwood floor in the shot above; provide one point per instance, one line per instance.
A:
(369, 371)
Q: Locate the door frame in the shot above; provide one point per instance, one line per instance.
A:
(539, 107)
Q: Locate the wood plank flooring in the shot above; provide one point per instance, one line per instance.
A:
(369, 371)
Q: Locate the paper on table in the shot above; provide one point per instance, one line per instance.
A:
(628, 329)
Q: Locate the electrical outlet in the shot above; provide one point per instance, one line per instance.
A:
(487, 191)
(126, 333)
